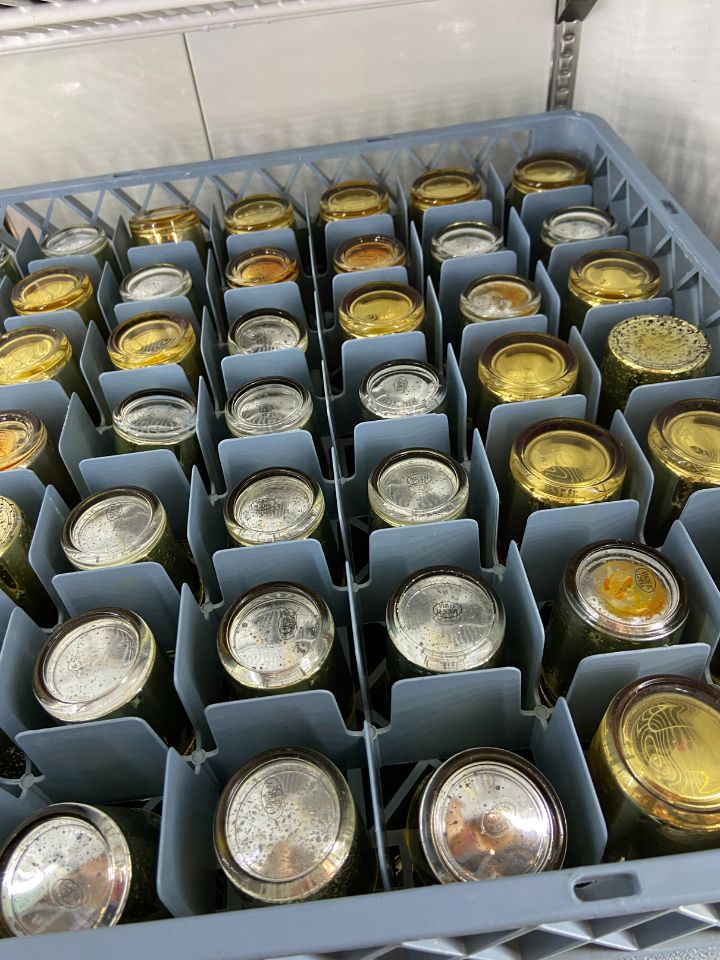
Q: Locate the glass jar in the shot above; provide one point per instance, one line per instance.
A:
(56, 288)
(157, 281)
(414, 486)
(497, 297)
(266, 329)
(614, 595)
(684, 447)
(30, 354)
(654, 763)
(13, 762)
(73, 866)
(18, 579)
(369, 252)
(353, 198)
(124, 525)
(545, 171)
(440, 188)
(8, 266)
(376, 309)
(158, 420)
(606, 276)
(443, 620)
(401, 388)
(570, 224)
(260, 266)
(82, 239)
(523, 366)
(154, 338)
(26, 445)
(561, 462)
(464, 238)
(648, 349)
(171, 224)
(259, 211)
(280, 638)
(315, 845)
(105, 664)
(270, 405)
(485, 813)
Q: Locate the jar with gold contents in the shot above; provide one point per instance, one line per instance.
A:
(570, 224)
(379, 308)
(18, 579)
(158, 420)
(261, 265)
(614, 595)
(259, 211)
(497, 297)
(545, 171)
(153, 338)
(172, 224)
(267, 328)
(56, 288)
(417, 485)
(82, 239)
(369, 252)
(402, 388)
(26, 445)
(353, 198)
(441, 188)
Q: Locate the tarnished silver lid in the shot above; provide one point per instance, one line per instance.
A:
(488, 813)
(268, 405)
(156, 281)
(266, 329)
(465, 238)
(156, 417)
(577, 223)
(402, 388)
(284, 826)
(78, 239)
(275, 636)
(274, 505)
(445, 619)
(67, 867)
(93, 665)
(418, 486)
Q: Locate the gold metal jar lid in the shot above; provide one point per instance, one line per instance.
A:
(151, 338)
(685, 438)
(627, 590)
(299, 803)
(52, 288)
(498, 296)
(402, 388)
(275, 636)
(66, 867)
(487, 813)
(527, 366)
(164, 224)
(155, 281)
(259, 211)
(445, 619)
(465, 238)
(261, 265)
(383, 307)
(268, 405)
(32, 353)
(438, 188)
(274, 505)
(577, 223)
(613, 276)
(418, 485)
(22, 436)
(548, 171)
(93, 665)
(654, 344)
(566, 461)
(112, 527)
(81, 238)
(155, 418)
(372, 251)
(353, 198)
(266, 329)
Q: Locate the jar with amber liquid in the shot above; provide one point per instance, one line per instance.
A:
(171, 224)
(376, 309)
(441, 188)
(82, 239)
(369, 252)
(497, 297)
(18, 579)
(56, 288)
(26, 445)
(353, 198)
(259, 211)
(260, 266)
(417, 485)
(545, 171)
(606, 276)
(154, 338)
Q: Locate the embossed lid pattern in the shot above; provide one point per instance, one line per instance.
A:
(274, 505)
(261, 265)
(11, 517)
(32, 353)
(154, 281)
(465, 238)
(266, 329)
(153, 417)
(146, 339)
(115, 526)
(402, 388)
(52, 288)
(81, 238)
(268, 405)
(353, 198)
(418, 486)
(259, 211)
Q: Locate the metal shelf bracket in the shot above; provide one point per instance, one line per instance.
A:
(566, 46)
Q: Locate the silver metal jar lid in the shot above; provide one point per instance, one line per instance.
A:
(577, 223)
(113, 527)
(93, 665)
(284, 826)
(156, 281)
(156, 417)
(488, 813)
(275, 636)
(402, 388)
(268, 405)
(445, 619)
(266, 329)
(465, 238)
(418, 486)
(274, 505)
(67, 867)
(78, 239)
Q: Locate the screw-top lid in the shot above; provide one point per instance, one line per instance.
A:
(577, 223)
(93, 665)
(527, 366)
(284, 827)
(548, 171)
(369, 252)
(613, 276)
(22, 436)
(445, 619)
(465, 238)
(402, 388)
(155, 417)
(418, 486)
(151, 338)
(488, 813)
(268, 405)
(353, 198)
(67, 867)
(274, 505)
(164, 224)
(266, 329)
(379, 308)
(685, 437)
(275, 636)
(565, 461)
(654, 344)
(52, 288)
(261, 265)
(28, 354)
(259, 211)
(499, 296)
(155, 281)
(81, 238)
(438, 188)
